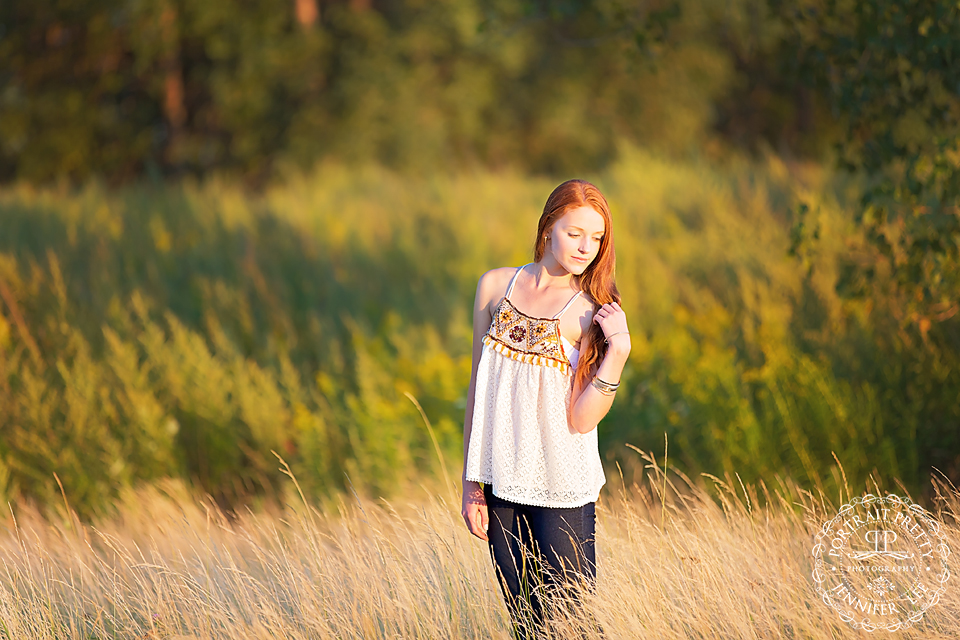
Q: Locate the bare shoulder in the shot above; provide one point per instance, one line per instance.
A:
(493, 285)
(587, 303)
(583, 309)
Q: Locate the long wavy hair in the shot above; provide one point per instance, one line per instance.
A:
(597, 280)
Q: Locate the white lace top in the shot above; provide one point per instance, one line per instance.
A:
(521, 441)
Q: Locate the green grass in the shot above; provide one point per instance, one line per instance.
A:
(187, 331)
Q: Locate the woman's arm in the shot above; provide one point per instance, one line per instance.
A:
(482, 318)
(473, 507)
(588, 405)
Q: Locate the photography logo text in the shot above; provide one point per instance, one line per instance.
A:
(881, 563)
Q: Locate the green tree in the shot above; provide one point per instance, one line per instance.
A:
(891, 70)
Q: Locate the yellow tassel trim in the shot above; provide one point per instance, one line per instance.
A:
(530, 358)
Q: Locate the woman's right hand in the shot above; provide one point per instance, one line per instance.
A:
(474, 509)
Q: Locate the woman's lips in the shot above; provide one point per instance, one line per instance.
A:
(579, 259)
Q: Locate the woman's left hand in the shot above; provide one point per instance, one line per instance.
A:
(613, 321)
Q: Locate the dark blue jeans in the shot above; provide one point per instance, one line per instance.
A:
(536, 550)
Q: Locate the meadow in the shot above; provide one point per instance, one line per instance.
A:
(712, 559)
(239, 246)
(162, 347)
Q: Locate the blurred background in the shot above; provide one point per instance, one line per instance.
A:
(241, 227)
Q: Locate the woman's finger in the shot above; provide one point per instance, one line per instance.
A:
(478, 529)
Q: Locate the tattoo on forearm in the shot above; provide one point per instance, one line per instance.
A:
(475, 496)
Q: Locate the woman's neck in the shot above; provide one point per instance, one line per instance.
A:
(549, 274)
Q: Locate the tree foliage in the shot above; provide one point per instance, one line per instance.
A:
(191, 330)
(892, 72)
(127, 88)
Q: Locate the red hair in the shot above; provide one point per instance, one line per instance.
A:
(597, 280)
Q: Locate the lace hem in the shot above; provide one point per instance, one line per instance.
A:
(553, 502)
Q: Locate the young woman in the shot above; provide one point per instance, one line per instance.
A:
(549, 344)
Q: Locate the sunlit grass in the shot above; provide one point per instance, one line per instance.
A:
(714, 560)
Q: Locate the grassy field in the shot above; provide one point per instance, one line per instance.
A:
(715, 559)
(161, 342)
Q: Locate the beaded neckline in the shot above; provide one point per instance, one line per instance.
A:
(507, 300)
(527, 338)
(557, 320)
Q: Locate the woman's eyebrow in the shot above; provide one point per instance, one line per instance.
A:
(572, 226)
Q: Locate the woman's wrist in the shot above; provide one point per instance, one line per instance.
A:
(618, 352)
(473, 492)
(616, 333)
(612, 366)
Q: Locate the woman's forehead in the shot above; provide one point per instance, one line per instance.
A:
(585, 218)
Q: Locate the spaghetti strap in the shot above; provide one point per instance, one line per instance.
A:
(569, 302)
(514, 280)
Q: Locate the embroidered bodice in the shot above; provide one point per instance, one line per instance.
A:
(521, 439)
(528, 339)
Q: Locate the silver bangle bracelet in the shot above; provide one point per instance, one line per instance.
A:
(607, 339)
(602, 390)
(604, 387)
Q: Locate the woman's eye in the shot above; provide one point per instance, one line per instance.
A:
(573, 235)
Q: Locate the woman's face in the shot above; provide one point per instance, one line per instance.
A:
(575, 238)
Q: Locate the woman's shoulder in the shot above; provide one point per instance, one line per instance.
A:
(498, 278)
(500, 273)
(587, 303)
(493, 284)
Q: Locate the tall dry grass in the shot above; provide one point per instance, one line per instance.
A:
(714, 559)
